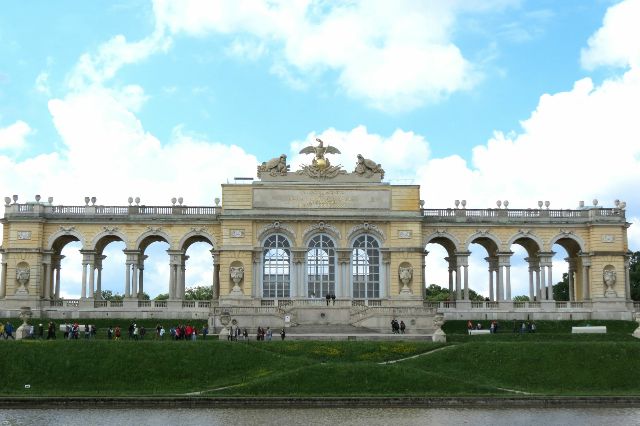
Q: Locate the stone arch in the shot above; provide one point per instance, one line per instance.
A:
(111, 235)
(575, 240)
(68, 235)
(527, 235)
(276, 228)
(321, 228)
(447, 240)
(484, 238)
(152, 235)
(197, 235)
(366, 228)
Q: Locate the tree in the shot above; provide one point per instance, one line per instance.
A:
(561, 290)
(521, 298)
(435, 293)
(634, 275)
(162, 296)
(199, 293)
(111, 296)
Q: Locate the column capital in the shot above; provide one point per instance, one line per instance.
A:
(585, 258)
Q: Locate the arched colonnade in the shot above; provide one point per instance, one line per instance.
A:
(93, 257)
(499, 261)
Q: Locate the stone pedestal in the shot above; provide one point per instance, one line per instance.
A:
(610, 308)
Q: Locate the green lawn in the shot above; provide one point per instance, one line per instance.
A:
(549, 362)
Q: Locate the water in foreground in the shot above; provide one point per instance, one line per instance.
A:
(328, 416)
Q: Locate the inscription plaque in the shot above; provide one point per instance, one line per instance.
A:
(24, 235)
(321, 199)
(404, 234)
(237, 233)
(607, 238)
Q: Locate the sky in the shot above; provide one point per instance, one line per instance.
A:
(481, 100)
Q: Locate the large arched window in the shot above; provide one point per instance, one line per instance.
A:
(365, 263)
(277, 265)
(321, 267)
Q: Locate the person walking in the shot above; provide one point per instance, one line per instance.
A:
(269, 334)
(117, 332)
(8, 331)
(333, 299)
(282, 334)
(328, 297)
(402, 327)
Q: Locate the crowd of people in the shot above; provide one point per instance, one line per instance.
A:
(235, 334)
(518, 326)
(398, 327)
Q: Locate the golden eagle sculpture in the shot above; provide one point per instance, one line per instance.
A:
(319, 161)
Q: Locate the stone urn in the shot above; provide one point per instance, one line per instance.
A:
(438, 334)
(237, 274)
(405, 273)
(25, 316)
(225, 319)
(609, 278)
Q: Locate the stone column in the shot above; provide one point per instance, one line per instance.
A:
(92, 279)
(127, 283)
(134, 280)
(214, 278)
(572, 270)
(57, 266)
(3, 278)
(500, 287)
(385, 285)
(504, 277)
(99, 260)
(183, 274)
(298, 281)
(462, 261)
(546, 259)
(450, 262)
(83, 293)
(141, 259)
(344, 259)
(175, 269)
(531, 293)
(257, 274)
(490, 262)
(458, 284)
(491, 295)
(46, 275)
(423, 293)
(586, 263)
(536, 272)
(543, 282)
(627, 277)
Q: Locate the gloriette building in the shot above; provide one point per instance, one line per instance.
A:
(280, 244)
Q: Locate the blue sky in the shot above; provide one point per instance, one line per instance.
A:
(476, 100)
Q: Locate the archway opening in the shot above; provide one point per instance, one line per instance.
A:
(198, 270)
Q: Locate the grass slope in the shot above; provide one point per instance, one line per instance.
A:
(549, 362)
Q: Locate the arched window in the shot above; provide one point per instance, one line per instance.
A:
(321, 267)
(365, 263)
(276, 259)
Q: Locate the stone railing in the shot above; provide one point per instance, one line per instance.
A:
(524, 215)
(47, 210)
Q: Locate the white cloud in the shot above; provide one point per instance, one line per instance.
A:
(98, 68)
(42, 83)
(617, 42)
(394, 56)
(14, 136)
